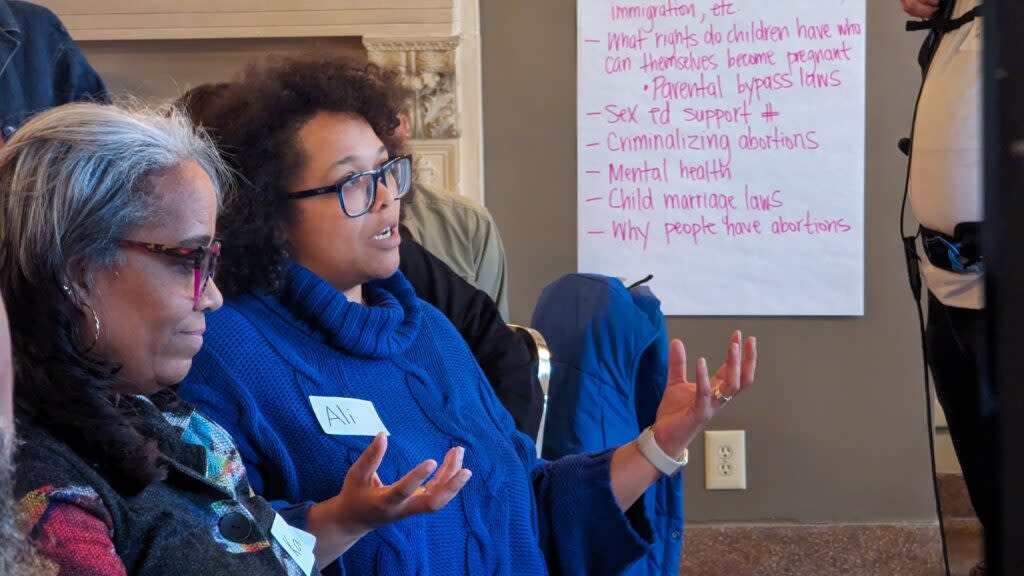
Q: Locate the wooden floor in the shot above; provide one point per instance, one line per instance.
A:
(964, 538)
(861, 550)
(964, 543)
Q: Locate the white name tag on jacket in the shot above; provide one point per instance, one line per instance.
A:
(347, 416)
(297, 543)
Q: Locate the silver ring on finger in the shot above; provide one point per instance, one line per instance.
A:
(722, 398)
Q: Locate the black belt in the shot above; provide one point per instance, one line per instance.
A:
(958, 253)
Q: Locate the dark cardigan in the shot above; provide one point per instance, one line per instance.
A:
(202, 519)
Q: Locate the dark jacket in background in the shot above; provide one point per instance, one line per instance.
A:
(502, 355)
(40, 66)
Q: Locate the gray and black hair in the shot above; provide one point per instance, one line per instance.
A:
(75, 180)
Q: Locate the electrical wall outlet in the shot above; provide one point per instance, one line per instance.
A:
(725, 460)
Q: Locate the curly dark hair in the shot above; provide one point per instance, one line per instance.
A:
(201, 101)
(255, 121)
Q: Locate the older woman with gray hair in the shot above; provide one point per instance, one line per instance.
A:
(107, 251)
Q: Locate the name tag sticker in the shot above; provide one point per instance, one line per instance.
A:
(347, 416)
(297, 543)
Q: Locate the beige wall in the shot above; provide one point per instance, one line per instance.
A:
(836, 424)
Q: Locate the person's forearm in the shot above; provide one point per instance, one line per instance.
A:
(332, 539)
(631, 475)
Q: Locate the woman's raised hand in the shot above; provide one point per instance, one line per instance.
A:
(687, 407)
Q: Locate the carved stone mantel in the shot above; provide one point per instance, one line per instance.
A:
(426, 67)
(433, 44)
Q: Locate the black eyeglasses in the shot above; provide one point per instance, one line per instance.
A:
(357, 192)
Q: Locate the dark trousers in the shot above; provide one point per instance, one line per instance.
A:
(953, 337)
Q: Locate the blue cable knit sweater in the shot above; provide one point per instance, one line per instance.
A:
(265, 355)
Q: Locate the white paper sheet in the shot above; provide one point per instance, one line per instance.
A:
(347, 416)
(721, 148)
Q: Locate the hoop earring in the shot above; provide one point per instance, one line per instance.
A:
(96, 335)
(95, 318)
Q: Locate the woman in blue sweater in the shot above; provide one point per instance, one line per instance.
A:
(321, 344)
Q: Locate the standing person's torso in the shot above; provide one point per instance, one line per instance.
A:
(945, 171)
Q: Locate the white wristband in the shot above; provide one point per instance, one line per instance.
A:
(648, 446)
